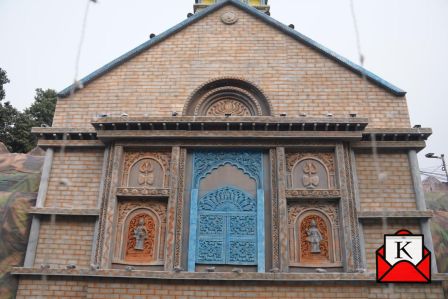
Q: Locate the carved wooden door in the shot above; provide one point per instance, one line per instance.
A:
(227, 220)
(227, 228)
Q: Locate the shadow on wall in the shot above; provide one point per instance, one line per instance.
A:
(19, 183)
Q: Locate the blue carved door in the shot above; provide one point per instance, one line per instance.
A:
(226, 221)
(227, 228)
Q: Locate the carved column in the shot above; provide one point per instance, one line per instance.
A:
(35, 225)
(349, 217)
(109, 214)
(421, 206)
(178, 229)
(172, 204)
(282, 209)
(362, 248)
(94, 256)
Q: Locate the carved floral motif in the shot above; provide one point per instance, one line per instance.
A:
(311, 178)
(146, 174)
(313, 193)
(228, 106)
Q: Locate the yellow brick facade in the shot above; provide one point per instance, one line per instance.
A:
(385, 181)
(75, 179)
(296, 78)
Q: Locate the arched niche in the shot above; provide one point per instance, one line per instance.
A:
(145, 223)
(310, 173)
(228, 96)
(147, 173)
(301, 232)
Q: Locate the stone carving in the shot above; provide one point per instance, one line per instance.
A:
(140, 235)
(143, 192)
(146, 169)
(314, 237)
(275, 211)
(141, 232)
(310, 170)
(326, 158)
(311, 178)
(250, 162)
(141, 239)
(229, 93)
(314, 233)
(313, 194)
(228, 107)
(229, 18)
(146, 176)
(227, 228)
(179, 209)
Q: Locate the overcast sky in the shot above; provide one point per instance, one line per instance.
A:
(404, 41)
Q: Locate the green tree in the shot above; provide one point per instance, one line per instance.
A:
(42, 110)
(15, 126)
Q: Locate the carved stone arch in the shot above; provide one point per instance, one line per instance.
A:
(153, 224)
(228, 95)
(311, 179)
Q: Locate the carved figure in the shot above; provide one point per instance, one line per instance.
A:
(310, 179)
(140, 234)
(314, 237)
(146, 176)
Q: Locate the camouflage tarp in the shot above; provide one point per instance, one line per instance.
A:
(19, 182)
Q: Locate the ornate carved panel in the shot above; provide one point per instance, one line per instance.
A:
(146, 170)
(227, 228)
(228, 107)
(310, 171)
(314, 234)
(140, 233)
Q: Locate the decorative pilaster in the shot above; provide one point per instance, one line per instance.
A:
(421, 206)
(351, 242)
(179, 210)
(363, 262)
(99, 204)
(40, 201)
(282, 209)
(172, 204)
(110, 205)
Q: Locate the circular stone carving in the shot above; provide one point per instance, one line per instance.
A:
(229, 18)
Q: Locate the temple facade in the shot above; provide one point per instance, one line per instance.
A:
(227, 157)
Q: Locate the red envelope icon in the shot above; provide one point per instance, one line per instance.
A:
(403, 271)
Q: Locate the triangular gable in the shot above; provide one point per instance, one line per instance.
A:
(256, 13)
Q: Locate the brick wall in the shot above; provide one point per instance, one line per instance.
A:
(295, 77)
(394, 191)
(139, 289)
(374, 231)
(65, 241)
(75, 179)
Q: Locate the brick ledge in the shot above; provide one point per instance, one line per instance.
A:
(287, 277)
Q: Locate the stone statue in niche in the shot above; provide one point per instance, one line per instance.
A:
(310, 178)
(140, 234)
(314, 237)
(141, 239)
(146, 176)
